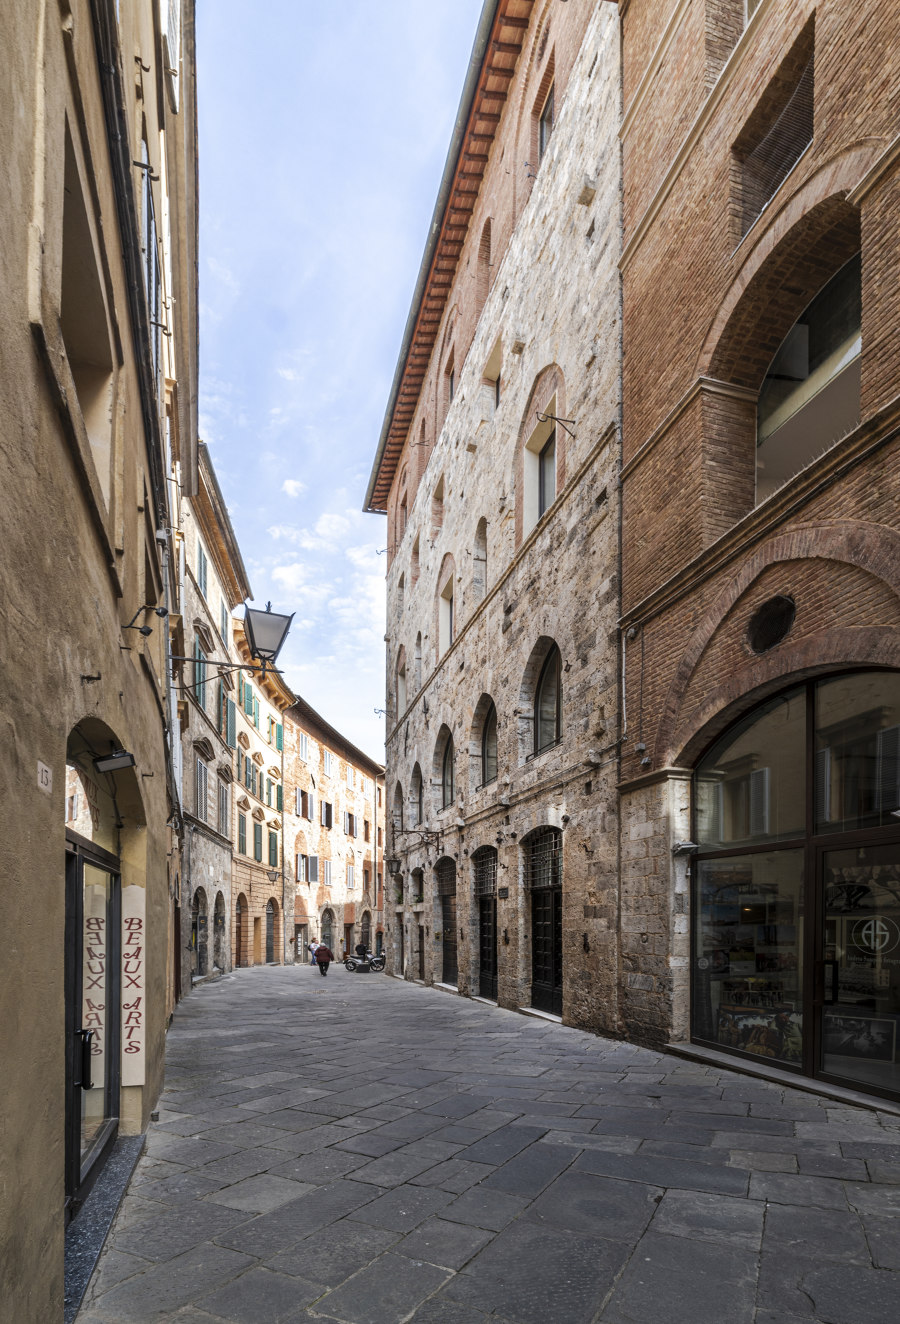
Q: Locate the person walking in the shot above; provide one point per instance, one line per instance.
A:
(312, 952)
(324, 958)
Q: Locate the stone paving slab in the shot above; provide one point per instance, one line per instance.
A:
(488, 1167)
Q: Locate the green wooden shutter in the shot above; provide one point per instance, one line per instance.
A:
(279, 736)
(230, 727)
(273, 850)
(256, 713)
(242, 834)
(240, 697)
(279, 798)
(257, 842)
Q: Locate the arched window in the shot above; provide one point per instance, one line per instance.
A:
(416, 797)
(548, 703)
(479, 561)
(448, 791)
(795, 816)
(401, 684)
(810, 397)
(489, 747)
(397, 808)
(327, 928)
(483, 276)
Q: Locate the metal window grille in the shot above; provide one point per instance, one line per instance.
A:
(485, 862)
(772, 160)
(543, 859)
(446, 877)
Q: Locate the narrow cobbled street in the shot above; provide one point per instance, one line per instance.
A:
(364, 1150)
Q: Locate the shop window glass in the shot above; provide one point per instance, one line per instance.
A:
(857, 759)
(751, 787)
(748, 944)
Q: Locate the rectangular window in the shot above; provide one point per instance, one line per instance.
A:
(224, 810)
(326, 872)
(777, 134)
(202, 568)
(350, 876)
(365, 880)
(326, 762)
(270, 727)
(547, 474)
(379, 797)
(313, 866)
(367, 830)
(242, 834)
(298, 801)
(302, 872)
(269, 792)
(378, 837)
(223, 621)
(351, 777)
(256, 713)
(202, 790)
(273, 850)
(230, 725)
(257, 842)
(545, 125)
(279, 736)
(304, 746)
(327, 817)
(248, 698)
(199, 673)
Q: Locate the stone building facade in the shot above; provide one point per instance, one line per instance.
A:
(214, 582)
(261, 891)
(334, 835)
(760, 577)
(97, 135)
(497, 469)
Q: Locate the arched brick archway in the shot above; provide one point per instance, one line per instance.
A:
(873, 548)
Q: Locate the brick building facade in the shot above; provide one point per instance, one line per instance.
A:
(704, 845)
(334, 835)
(496, 467)
(760, 528)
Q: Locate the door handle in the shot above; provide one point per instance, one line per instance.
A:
(87, 1039)
(834, 982)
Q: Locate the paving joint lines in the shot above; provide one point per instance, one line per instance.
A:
(372, 1152)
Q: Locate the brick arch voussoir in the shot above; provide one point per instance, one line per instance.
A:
(817, 654)
(802, 244)
(874, 548)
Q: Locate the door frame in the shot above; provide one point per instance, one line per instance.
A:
(79, 1176)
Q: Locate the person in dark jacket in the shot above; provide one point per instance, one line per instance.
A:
(361, 950)
(324, 958)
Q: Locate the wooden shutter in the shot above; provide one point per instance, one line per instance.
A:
(279, 736)
(313, 863)
(257, 842)
(279, 798)
(230, 728)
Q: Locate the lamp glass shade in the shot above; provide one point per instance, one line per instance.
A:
(393, 864)
(112, 762)
(272, 875)
(266, 632)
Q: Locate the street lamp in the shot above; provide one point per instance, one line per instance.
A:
(272, 875)
(114, 760)
(266, 633)
(393, 865)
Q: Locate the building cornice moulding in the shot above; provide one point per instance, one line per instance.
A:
(702, 386)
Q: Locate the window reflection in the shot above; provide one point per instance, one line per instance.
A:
(751, 787)
(857, 751)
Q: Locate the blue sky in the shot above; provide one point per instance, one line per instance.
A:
(323, 133)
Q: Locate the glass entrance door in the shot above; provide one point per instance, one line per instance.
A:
(859, 985)
(93, 960)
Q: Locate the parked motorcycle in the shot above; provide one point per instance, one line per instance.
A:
(374, 962)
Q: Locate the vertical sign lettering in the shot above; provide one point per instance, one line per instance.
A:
(133, 993)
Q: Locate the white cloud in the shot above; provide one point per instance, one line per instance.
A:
(293, 487)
